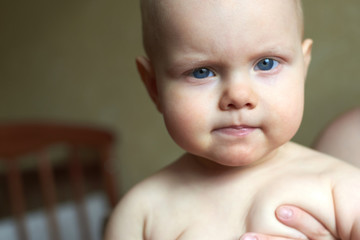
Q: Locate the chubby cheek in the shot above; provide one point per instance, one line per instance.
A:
(288, 116)
(186, 118)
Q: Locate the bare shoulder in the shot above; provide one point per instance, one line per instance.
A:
(339, 172)
(130, 217)
(314, 159)
(319, 158)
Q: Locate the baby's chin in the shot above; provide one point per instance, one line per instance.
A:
(244, 159)
(229, 161)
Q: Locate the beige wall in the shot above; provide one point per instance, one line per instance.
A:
(74, 61)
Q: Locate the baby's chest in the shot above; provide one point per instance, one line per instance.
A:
(196, 224)
(310, 193)
(245, 209)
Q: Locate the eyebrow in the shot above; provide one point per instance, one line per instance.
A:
(186, 64)
(278, 48)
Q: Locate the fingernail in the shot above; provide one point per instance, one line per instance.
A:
(249, 237)
(285, 213)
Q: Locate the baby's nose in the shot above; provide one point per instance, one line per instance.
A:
(237, 95)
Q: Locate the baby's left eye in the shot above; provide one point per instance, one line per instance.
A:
(266, 64)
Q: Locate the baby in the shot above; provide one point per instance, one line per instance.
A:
(228, 77)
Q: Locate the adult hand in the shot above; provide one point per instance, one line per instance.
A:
(298, 219)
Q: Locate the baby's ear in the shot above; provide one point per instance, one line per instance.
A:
(306, 48)
(147, 75)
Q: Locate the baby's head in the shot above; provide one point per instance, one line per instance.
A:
(228, 76)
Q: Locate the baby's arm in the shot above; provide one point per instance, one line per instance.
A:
(346, 203)
(355, 232)
(127, 220)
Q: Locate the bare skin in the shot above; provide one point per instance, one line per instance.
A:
(298, 219)
(228, 78)
(340, 139)
(193, 202)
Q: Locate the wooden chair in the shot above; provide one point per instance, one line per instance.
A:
(17, 140)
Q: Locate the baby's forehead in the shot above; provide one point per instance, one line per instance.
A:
(155, 12)
(158, 15)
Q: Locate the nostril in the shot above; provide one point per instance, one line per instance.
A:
(242, 98)
(231, 106)
(248, 105)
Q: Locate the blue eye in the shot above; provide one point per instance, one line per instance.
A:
(202, 73)
(266, 64)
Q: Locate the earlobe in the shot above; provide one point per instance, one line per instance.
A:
(147, 75)
(306, 48)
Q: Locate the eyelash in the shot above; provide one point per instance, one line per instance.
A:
(207, 71)
(274, 63)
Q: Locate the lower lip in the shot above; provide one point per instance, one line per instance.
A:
(237, 132)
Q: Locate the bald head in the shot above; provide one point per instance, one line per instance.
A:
(157, 13)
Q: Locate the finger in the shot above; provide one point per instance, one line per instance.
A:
(257, 236)
(302, 221)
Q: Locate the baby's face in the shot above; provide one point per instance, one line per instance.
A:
(230, 77)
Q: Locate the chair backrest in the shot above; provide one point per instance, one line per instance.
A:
(21, 139)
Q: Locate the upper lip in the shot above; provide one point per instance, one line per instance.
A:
(242, 126)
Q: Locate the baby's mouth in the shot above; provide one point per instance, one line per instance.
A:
(236, 130)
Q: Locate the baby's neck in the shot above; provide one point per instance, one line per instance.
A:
(203, 172)
(211, 167)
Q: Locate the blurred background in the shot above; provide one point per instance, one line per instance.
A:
(73, 61)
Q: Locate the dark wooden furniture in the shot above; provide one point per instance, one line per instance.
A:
(83, 148)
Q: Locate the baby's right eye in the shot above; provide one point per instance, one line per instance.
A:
(201, 73)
